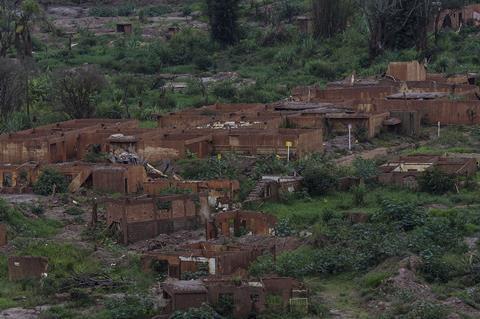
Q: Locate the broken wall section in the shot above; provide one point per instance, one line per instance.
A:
(26, 267)
(143, 218)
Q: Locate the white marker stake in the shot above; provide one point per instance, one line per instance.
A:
(349, 137)
(438, 131)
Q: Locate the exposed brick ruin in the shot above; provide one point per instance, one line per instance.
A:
(456, 18)
(221, 193)
(3, 235)
(405, 170)
(143, 218)
(232, 223)
(272, 188)
(206, 257)
(246, 296)
(26, 267)
(408, 95)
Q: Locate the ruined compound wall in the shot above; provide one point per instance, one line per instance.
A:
(310, 141)
(354, 93)
(199, 146)
(254, 222)
(146, 218)
(135, 175)
(3, 235)
(305, 121)
(280, 286)
(461, 166)
(433, 111)
(242, 296)
(26, 267)
(109, 179)
(407, 71)
(16, 151)
(375, 123)
(155, 187)
(229, 263)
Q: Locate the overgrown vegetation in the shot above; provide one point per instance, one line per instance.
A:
(50, 182)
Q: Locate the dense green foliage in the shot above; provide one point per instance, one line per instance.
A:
(436, 182)
(50, 181)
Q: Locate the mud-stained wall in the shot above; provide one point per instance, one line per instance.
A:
(230, 223)
(145, 218)
(27, 267)
(434, 111)
(3, 235)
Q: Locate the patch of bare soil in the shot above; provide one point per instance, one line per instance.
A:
(168, 240)
(406, 280)
(21, 198)
(22, 313)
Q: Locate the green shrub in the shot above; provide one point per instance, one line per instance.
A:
(323, 70)
(50, 181)
(364, 168)
(203, 62)
(38, 210)
(359, 193)
(427, 310)
(284, 228)
(320, 178)
(224, 90)
(404, 215)
(130, 307)
(374, 279)
(204, 312)
(436, 182)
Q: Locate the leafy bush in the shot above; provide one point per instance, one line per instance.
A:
(284, 228)
(130, 307)
(320, 176)
(204, 312)
(38, 210)
(374, 279)
(404, 215)
(427, 310)
(224, 90)
(359, 193)
(364, 168)
(323, 70)
(436, 182)
(50, 181)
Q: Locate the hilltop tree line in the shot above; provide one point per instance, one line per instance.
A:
(391, 25)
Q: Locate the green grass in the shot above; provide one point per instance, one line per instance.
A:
(20, 225)
(338, 292)
(304, 213)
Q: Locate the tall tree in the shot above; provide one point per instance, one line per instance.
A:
(7, 26)
(16, 22)
(396, 24)
(76, 89)
(23, 29)
(223, 18)
(330, 16)
(12, 86)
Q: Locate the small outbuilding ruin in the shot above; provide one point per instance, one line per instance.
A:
(27, 267)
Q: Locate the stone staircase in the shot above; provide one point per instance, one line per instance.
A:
(257, 193)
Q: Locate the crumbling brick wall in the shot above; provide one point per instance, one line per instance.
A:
(26, 267)
(144, 218)
(3, 235)
(231, 223)
(433, 111)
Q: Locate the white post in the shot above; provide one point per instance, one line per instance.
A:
(438, 130)
(288, 153)
(349, 137)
